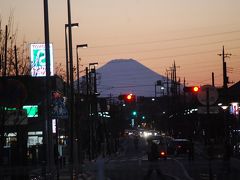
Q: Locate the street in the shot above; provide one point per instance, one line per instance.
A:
(132, 163)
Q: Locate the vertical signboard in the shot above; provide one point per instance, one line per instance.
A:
(234, 108)
(38, 60)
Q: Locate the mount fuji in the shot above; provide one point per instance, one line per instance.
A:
(121, 76)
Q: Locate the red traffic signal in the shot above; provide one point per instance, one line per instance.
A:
(191, 89)
(127, 98)
(196, 89)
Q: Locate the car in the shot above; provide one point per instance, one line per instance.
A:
(179, 146)
(162, 145)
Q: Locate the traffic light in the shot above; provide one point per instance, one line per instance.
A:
(127, 98)
(192, 89)
(134, 113)
(196, 89)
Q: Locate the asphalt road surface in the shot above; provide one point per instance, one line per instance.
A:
(131, 164)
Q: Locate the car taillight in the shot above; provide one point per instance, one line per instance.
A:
(162, 153)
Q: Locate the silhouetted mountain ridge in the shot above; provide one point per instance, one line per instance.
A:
(121, 76)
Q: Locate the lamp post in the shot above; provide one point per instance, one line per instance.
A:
(79, 46)
(90, 77)
(47, 120)
(93, 64)
(162, 88)
(66, 49)
(93, 104)
(72, 117)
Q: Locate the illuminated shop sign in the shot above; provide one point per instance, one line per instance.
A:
(38, 60)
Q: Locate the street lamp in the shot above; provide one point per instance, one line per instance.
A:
(93, 64)
(69, 74)
(79, 46)
(46, 101)
(162, 88)
(66, 49)
(90, 78)
(72, 115)
(92, 107)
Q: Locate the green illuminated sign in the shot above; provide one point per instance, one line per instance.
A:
(32, 110)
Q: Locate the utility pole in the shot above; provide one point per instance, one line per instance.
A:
(16, 61)
(174, 79)
(89, 112)
(179, 86)
(78, 76)
(160, 84)
(47, 120)
(225, 77)
(5, 52)
(1, 59)
(93, 105)
(213, 84)
(66, 49)
(167, 82)
(184, 93)
(95, 80)
(67, 63)
(72, 117)
(78, 59)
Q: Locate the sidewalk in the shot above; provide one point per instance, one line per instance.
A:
(83, 173)
(219, 166)
(87, 170)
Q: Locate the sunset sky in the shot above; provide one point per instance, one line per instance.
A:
(154, 32)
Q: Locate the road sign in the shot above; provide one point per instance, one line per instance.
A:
(212, 95)
(59, 110)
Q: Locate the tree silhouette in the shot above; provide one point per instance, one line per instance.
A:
(14, 51)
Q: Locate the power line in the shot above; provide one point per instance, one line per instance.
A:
(169, 40)
(161, 41)
(163, 49)
(130, 86)
(189, 54)
(175, 56)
